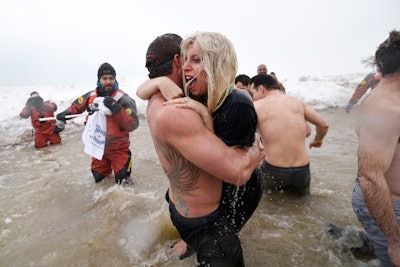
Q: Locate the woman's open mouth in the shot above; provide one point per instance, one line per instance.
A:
(191, 83)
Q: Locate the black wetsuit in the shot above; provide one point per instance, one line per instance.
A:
(215, 237)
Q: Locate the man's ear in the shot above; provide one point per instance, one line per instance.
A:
(177, 60)
(177, 65)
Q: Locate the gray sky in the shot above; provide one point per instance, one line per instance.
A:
(65, 41)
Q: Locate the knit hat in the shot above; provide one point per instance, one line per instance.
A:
(162, 49)
(104, 69)
(34, 94)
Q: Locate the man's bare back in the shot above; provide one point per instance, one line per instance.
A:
(281, 122)
(282, 126)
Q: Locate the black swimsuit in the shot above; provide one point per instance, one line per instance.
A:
(213, 238)
(294, 179)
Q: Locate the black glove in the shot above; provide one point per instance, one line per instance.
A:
(61, 116)
(60, 126)
(110, 103)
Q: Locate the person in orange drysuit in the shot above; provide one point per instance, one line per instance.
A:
(45, 132)
(122, 121)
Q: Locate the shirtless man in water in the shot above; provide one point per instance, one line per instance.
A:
(283, 132)
(376, 196)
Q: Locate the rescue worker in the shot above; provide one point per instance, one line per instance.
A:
(45, 132)
(370, 81)
(122, 121)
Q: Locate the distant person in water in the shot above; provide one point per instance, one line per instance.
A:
(45, 131)
(281, 123)
(370, 81)
(278, 83)
(376, 195)
(262, 69)
(242, 81)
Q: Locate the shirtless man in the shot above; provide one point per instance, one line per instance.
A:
(283, 132)
(376, 196)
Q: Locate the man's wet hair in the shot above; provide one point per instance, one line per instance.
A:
(162, 69)
(265, 80)
(161, 53)
(387, 56)
(243, 78)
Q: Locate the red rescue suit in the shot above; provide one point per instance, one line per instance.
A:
(44, 130)
(117, 155)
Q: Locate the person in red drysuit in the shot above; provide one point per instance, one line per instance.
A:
(122, 121)
(45, 132)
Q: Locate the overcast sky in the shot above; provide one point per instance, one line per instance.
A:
(65, 41)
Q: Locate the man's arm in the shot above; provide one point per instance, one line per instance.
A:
(26, 112)
(378, 139)
(127, 115)
(173, 93)
(199, 108)
(321, 125)
(184, 130)
(165, 85)
(77, 107)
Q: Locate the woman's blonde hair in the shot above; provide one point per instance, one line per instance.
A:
(219, 61)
